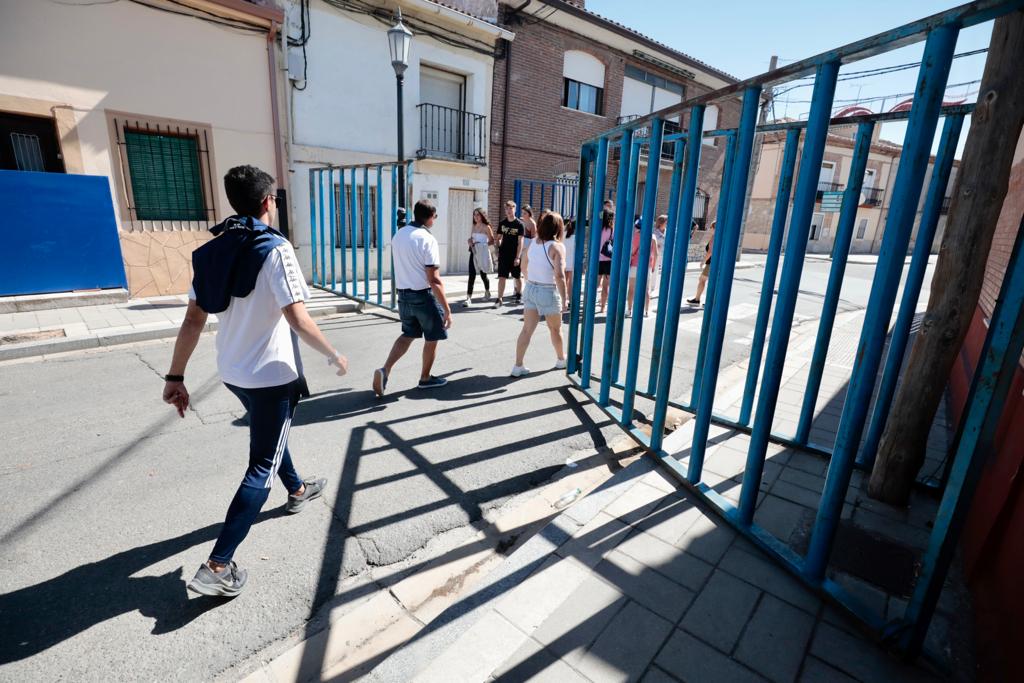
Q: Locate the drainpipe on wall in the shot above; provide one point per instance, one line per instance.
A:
(282, 180)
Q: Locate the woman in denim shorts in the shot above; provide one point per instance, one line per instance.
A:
(543, 266)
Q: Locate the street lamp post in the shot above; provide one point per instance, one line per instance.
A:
(399, 39)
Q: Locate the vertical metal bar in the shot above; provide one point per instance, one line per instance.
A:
(724, 197)
(593, 253)
(976, 439)
(355, 233)
(323, 251)
(771, 270)
(408, 189)
(531, 194)
(343, 220)
(380, 234)
(313, 175)
(840, 252)
(623, 242)
(366, 233)
(666, 261)
(688, 193)
(912, 288)
(728, 243)
(394, 227)
(642, 270)
(517, 194)
(785, 305)
(538, 209)
(924, 115)
(626, 145)
(577, 266)
(334, 225)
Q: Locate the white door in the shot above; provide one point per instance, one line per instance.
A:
(460, 224)
(817, 221)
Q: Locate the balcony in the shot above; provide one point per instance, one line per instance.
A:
(452, 134)
(871, 196)
(826, 187)
(667, 148)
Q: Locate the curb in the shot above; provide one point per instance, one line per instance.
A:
(46, 302)
(103, 338)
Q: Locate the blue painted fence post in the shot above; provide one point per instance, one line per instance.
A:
(313, 175)
(785, 305)
(366, 233)
(840, 252)
(924, 115)
(395, 170)
(623, 242)
(642, 269)
(728, 245)
(586, 154)
(912, 289)
(342, 227)
(333, 225)
(380, 235)
(688, 194)
(593, 252)
(771, 271)
(355, 232)
(625, 155)
(666, 260)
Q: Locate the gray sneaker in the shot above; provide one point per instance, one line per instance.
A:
(314, 489)
(227, 583)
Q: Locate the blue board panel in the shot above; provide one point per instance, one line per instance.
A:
(59, 234)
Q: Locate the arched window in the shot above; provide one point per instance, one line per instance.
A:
(583, 82)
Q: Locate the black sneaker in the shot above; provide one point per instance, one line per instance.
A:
(227, 583)
(314, 488)
(695, 302)
(432, 382)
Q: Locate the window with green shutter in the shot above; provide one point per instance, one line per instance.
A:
(166, 176)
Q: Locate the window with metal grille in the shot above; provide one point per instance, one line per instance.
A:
(165, 171)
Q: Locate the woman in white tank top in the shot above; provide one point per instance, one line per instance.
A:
(543, 266)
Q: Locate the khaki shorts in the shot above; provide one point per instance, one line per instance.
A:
(706, 272)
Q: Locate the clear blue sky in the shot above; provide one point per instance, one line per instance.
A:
(740, 36)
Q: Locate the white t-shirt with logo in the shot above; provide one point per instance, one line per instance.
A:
(413, 248)
(254, 341)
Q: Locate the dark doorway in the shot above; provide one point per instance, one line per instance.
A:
(29, 143)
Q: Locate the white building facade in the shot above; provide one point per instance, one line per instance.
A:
(341, 104)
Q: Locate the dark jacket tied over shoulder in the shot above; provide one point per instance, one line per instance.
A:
(229, 264)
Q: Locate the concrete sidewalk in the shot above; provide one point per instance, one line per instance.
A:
(640, 581)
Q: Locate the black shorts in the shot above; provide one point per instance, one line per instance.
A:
(507, 266)
(421, 315)
(604, 267)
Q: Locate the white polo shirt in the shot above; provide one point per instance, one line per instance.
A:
(254, 341)
(413, 248)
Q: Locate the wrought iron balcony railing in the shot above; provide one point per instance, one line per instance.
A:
(826, 187)
(454, 134)
(871, 196)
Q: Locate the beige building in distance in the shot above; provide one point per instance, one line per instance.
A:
(872, 210)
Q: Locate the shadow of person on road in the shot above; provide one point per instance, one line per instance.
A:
(35, 618)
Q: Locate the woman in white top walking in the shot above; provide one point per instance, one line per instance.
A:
(481, 237)
(543, 266)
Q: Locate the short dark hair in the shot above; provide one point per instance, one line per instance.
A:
(551, 227)
(424, 210)
(246, 188)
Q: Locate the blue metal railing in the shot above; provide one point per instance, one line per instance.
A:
(764, 379)
(555, 195)
(349, 228)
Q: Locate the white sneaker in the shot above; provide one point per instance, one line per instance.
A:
(560, 364)
(520, 371)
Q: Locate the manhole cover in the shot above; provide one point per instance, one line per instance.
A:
(31, 336)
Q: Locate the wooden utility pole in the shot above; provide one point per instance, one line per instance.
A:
(981, 185)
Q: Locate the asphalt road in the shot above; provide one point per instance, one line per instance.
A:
(113, 501)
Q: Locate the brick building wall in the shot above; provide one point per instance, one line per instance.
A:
(544, 138)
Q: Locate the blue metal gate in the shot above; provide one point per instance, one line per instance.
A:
(354, 212)
(556, 195)
(1003, 345)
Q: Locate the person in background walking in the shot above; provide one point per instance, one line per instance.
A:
(510, 247)
(249, 277)
(569, 242)
(660, 224)
(529, 224)
(604, 259)
(544, 269)
(634, 261)
(481, 238)
(422, 304)
(705, 273)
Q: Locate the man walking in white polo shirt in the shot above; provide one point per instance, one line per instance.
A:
(422, 304)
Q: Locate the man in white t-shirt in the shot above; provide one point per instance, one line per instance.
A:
(248, 276)
(422, 304)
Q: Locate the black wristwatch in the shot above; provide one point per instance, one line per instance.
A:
(174, 378)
